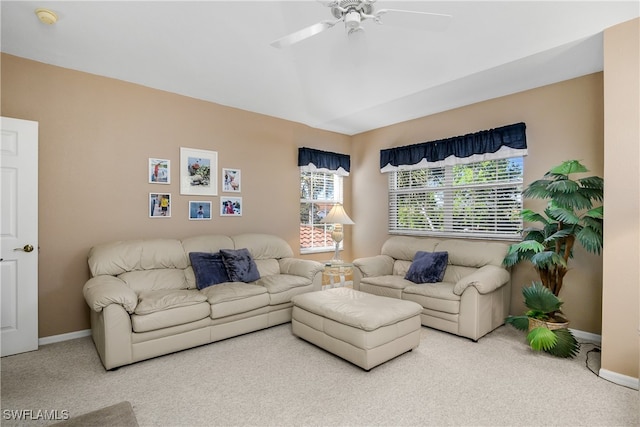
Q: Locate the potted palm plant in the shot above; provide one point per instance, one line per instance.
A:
(545, 323)
(573, 214)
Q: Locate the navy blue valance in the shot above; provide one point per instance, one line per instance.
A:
(499, 143)
(311, 160)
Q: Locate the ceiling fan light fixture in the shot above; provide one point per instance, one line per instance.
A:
(356, 33)
(352, 20)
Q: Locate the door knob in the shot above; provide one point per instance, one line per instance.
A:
(26, 248)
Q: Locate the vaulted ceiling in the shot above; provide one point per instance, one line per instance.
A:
(220, 51)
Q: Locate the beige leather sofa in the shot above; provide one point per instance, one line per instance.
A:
(472, 299)
(144, 300)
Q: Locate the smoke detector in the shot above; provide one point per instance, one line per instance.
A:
(46, 16)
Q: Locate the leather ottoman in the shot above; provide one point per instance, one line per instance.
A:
(364, 329)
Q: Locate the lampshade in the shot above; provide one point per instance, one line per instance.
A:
(337, 215)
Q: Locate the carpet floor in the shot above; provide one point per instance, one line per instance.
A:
(272, 378)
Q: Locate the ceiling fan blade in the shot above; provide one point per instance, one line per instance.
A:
(328, 3)
(413, 19)
(304, 33)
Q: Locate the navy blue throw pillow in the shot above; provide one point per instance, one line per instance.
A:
(208, 268)
(428, 267)
(240, 265)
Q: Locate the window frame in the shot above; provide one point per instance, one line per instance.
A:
(338, 183)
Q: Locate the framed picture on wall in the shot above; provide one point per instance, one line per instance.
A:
(160, 205)
(230, 180)
(231, 206)
(159, 171)
(198, 172)
(199, 210)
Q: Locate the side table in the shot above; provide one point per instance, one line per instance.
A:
(335, 274)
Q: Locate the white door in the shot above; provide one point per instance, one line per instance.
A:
(19, 236)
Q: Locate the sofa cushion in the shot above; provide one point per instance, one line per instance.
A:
(208, 268)
(442, 290)
(434, 296)
(229, 299)
(405, 247)
(207, 243)
(152, 301)
(267, 266)
(391, 281)
(263, 246)
(240, 265)
(231, 291)
(474, 254)
(427, 267)
(131, 255)
(170, 317)
(151, 280)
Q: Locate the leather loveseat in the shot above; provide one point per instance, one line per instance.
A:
(145, 300)
(470, 300)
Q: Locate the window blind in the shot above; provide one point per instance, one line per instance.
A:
(476, 200)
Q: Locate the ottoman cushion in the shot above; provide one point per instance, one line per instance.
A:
(358, 309)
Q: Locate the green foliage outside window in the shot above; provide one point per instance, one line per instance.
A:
(480, 198)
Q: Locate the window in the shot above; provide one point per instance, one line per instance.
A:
(319, 191)
(475, 200)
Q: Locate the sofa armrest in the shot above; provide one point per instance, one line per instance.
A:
(379, 265)
(486, 280)
(100, 291)
(300, 267)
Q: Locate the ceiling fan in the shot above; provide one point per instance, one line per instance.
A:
(353, 13)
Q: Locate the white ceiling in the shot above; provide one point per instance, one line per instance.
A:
(220, 51)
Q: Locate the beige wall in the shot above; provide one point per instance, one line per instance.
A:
(564, 121)
(96, 135)
(621, 296)
(95, 138)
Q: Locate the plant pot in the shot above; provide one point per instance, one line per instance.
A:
(536, 323)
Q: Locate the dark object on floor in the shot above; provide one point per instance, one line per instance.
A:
(120, 415)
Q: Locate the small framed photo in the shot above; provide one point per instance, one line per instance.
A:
(199, 210)
(160, 205)
(231, 206)
(231, 180)
(159, 171)
(198, 172)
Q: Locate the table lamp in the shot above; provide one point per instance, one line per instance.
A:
(337, 216)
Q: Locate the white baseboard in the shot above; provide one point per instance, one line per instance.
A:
(586, 336)
(64, 337)
(620, 379)
(614, 377)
